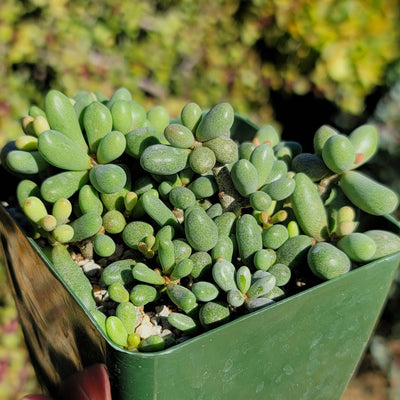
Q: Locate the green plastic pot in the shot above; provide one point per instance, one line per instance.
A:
(306, 346)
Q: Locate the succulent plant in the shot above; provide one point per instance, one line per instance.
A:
(185, 223)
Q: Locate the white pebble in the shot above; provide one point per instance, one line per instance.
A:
(91, 268)
(144, 330)
(162, 311)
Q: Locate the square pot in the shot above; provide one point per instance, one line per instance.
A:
(306, 346)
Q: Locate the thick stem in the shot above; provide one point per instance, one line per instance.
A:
(326, 184)
(229, 197)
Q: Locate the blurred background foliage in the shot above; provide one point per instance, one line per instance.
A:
(254, 53)
(17, 376)
(297, 63)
